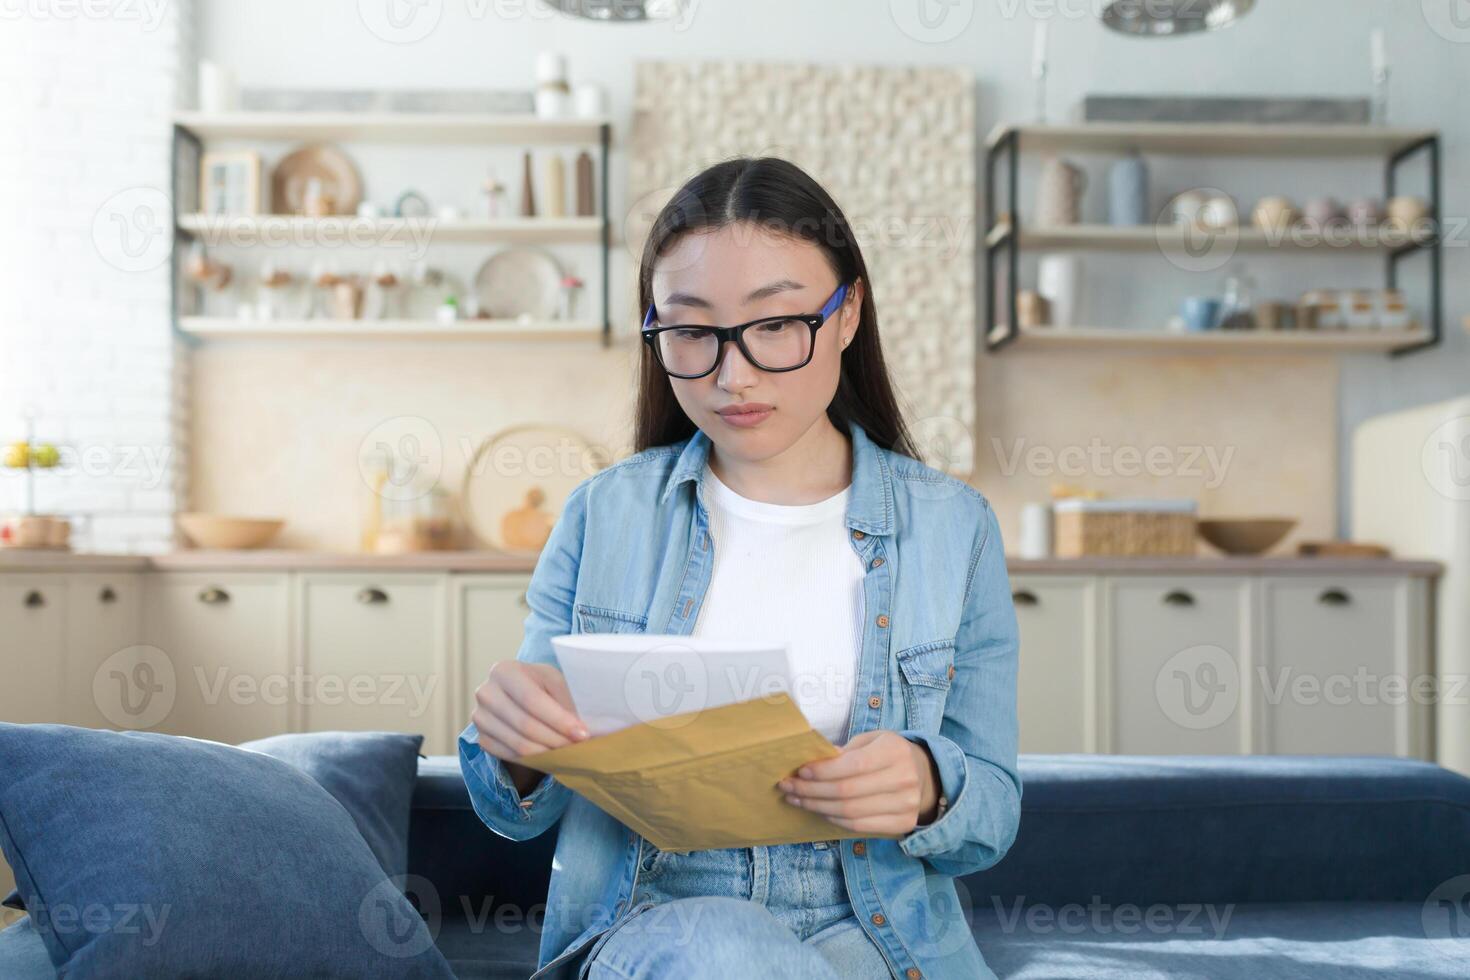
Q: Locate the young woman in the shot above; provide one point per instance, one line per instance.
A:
(775, 495)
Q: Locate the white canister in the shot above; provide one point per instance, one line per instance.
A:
(1059, 281)
(1035, 531)
(590, 100)
(216, 87)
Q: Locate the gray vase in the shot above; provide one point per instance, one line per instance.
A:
(1128, 192)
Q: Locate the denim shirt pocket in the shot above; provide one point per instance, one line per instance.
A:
(926, 670)
(597, 619)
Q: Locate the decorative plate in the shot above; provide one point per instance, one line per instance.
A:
(519, 282)
(326, 163)
(518, 481)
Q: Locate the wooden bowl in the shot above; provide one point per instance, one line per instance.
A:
(222, 531)
(1246, 535)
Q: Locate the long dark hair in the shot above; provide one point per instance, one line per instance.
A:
(778, 194)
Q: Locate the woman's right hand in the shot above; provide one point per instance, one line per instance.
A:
(525, 708)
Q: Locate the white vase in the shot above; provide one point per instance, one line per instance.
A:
(1059, 281)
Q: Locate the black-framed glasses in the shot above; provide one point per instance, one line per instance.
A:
(772, 343)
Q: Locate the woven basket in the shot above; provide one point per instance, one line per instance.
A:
(1086, 529)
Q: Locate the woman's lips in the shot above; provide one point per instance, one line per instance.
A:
(746, 417)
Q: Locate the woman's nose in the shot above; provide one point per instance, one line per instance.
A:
(736, 373)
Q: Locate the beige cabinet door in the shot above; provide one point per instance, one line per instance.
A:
(32, 648)
(373, 654)
(104, 618)
(1057, 683)
(1345, 667)
(220, 661)
(1177, 659)
(489, 618)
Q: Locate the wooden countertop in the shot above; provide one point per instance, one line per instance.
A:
(1266, 565)
(268, 560)
(16, 560)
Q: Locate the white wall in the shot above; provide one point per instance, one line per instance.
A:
(1300, 47)
(85, 341)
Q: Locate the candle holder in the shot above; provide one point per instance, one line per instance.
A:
(1379, 108)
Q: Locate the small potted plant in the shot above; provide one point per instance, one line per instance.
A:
(29, 529)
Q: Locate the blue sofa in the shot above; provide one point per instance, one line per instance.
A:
(1125, 867)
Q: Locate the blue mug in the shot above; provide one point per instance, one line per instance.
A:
(1200, 313)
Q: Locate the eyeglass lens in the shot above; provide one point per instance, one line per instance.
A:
(775, 345)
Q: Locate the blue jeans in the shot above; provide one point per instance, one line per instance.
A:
(741, 911)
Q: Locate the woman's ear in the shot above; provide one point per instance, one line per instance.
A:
(852, 309)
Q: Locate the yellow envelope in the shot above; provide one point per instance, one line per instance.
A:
(702, 779)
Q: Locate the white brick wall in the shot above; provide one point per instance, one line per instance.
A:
(85, 338)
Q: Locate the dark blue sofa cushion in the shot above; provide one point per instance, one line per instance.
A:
(147, 855)
(1146, 829)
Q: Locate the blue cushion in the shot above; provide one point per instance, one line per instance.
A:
(372, 774)
(1299, 941)
(1147, 829)
(141, 854)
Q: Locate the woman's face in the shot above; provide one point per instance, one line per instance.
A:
(738, 273)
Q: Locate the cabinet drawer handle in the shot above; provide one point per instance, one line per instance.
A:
(214, 596)
(372, 597)
(1025, 597)
(1178, 597)
(107, 595)
(1335, 597)
(34, 600)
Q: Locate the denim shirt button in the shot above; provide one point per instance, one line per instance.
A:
(879, 919)
(875, 702)
(858, 535)
(912, 973)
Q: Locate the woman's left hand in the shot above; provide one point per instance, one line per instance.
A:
(882, 783)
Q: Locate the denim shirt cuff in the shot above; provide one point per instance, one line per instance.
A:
(946, 833)
(494, 780)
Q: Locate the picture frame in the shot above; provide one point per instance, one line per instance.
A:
(230, 182)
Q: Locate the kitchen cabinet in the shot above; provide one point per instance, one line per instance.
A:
(222, 653)
(104, 619)
(1057, 678)
(1345, 667)
(1175, 656)
(489, 613)
(1179, 656)
(372, 655)
(32, 632)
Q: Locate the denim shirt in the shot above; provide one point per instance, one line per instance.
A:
(632, 553)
